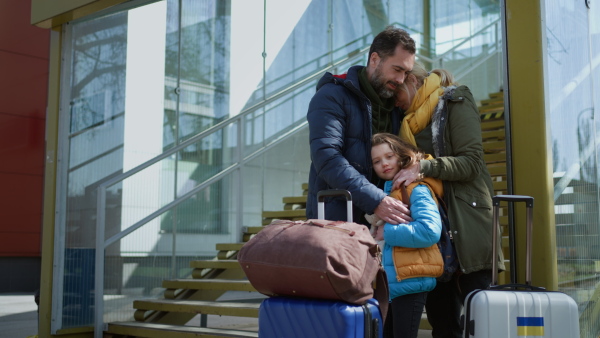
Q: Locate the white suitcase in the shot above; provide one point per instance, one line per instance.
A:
(518, 310)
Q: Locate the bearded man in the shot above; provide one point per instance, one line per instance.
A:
(342, 116)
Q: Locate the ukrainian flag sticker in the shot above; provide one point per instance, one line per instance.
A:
(530, 326)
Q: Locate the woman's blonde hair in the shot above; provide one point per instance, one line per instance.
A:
(407, 153)
(420, 73)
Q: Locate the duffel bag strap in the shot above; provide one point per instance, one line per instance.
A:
(382, 292)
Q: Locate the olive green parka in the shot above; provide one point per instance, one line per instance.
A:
(454, 137)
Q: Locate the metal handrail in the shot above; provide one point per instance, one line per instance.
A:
(464, 70)
(307, 79)
(102, 243)
(469, 38)
(290, 89)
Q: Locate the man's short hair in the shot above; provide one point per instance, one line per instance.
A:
(385, 43)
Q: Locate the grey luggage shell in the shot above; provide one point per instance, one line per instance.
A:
(519, 310)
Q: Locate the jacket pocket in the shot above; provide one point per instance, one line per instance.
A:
(472, 214)
(474, 200)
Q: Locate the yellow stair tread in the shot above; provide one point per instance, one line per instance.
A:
(284, 213)
(497, 170)
(153, 330)
(500, 185)
(208, 284)
(295, 199)
(493, 134)
(253, 230)
(485, 111)
(497, 101)
(199, 306)
(216, 264)
(494, 145)
(229, 246)
(492, 124)
(497, 157)
(496, 94)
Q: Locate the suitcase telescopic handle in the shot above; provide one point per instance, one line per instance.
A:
(333, 192)
(496, 227)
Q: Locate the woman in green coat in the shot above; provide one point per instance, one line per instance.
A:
(442, 119)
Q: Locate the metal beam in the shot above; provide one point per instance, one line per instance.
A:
(528, 142)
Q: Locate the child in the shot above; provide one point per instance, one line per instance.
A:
(411, 257)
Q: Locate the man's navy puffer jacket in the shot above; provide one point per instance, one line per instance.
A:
(339, 118)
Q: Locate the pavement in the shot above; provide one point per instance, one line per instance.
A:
(18, 315)
(19, 318)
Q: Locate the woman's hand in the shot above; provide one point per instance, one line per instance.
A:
(406, 176)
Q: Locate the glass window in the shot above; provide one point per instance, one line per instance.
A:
(571, 73)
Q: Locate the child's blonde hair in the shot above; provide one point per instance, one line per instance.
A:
(407, 153)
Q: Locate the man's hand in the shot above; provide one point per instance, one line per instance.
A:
(393, 211)
(406, 176)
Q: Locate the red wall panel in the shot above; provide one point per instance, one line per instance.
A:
(23, 95)
(24, 84)
(20, 244)
(21, 141)
(17, 34)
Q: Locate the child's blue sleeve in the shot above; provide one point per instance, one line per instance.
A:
(426, 226)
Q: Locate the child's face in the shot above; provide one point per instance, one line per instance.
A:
(385, 161)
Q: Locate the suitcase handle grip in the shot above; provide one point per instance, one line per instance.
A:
(517, 286)
(513, 198)
(334, 192)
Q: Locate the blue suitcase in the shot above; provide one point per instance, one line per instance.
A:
(303, 317)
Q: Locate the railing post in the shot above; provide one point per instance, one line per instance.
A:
(99, 264)
(240, 183)
(500, 51)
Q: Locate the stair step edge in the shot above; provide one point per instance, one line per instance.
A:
(209, 284)
(236, 309)
(175, 331)
(215, 264)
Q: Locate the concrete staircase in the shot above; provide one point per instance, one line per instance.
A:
(205, 293)
(294, 208)
(202, 294)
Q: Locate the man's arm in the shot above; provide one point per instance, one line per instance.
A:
(328, 127)
(327, 122)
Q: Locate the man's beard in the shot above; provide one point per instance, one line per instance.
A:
(379, 85)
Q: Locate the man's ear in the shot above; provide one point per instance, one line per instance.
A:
(374, 59)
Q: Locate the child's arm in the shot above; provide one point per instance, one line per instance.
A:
(378, 233)
(426, 226)
(376, 226)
